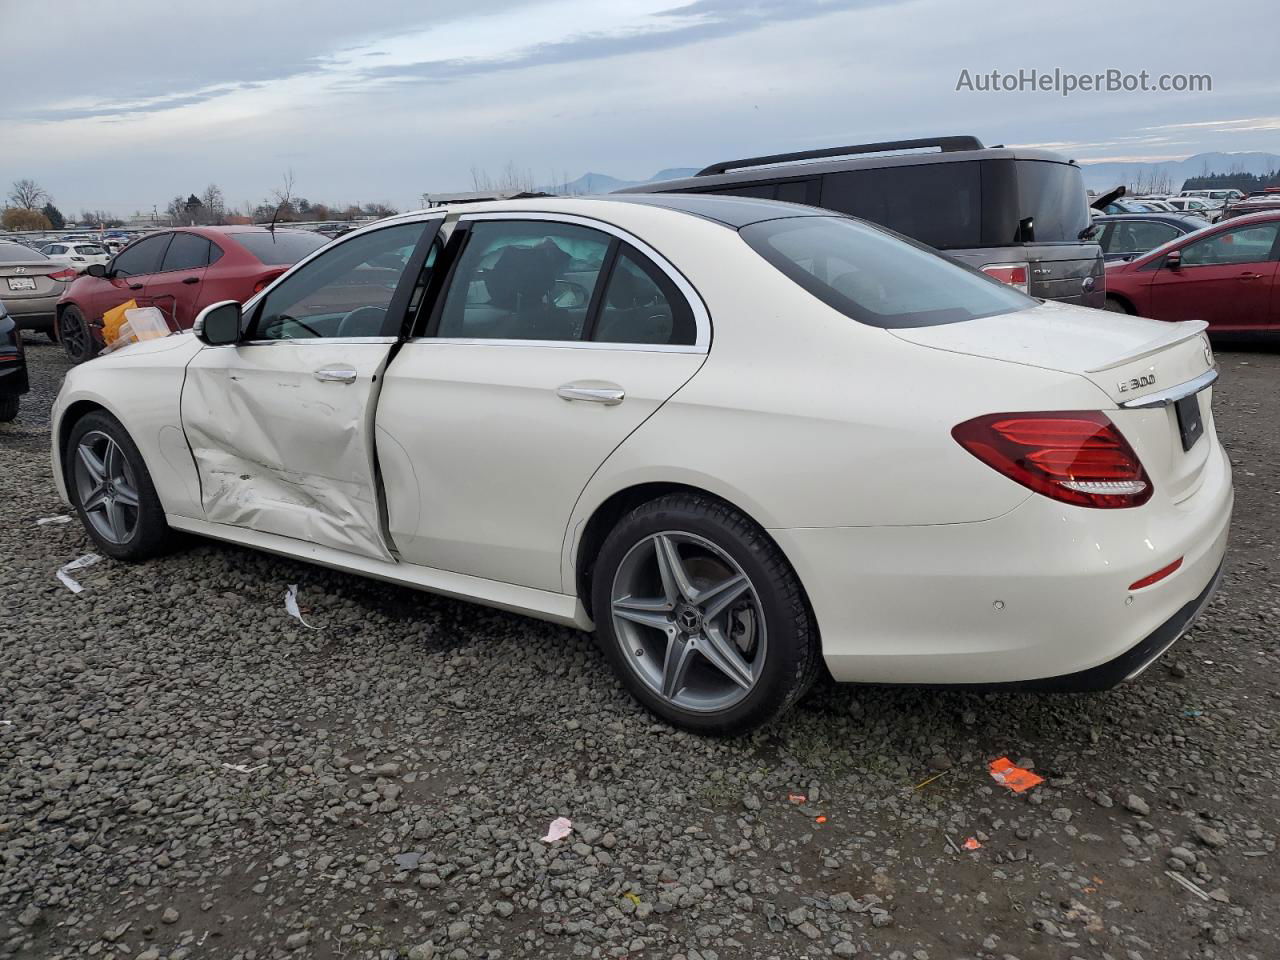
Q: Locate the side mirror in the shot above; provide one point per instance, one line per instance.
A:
(96, 270)
(218, 324)
(1173, 259)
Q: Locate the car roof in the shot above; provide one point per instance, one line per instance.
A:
(733, 212)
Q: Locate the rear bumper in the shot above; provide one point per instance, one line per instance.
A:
(1037, 598)
(33, 313)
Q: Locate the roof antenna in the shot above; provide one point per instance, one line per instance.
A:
(271, 227)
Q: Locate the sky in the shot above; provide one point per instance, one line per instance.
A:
(120, 105)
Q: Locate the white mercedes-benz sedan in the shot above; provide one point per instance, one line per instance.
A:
(741, 440)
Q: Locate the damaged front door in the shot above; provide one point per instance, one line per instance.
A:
(281, 424)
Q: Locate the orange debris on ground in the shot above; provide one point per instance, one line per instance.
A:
(1003, 771)
(971, 844)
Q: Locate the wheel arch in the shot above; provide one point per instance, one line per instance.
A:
(1123, 300)
(618, 504)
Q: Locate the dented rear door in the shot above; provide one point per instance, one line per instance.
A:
(281, 425)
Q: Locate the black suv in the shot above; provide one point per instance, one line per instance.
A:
(1021, 216)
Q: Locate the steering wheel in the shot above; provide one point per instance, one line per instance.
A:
(362, 322)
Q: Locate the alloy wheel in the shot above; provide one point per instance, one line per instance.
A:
(74, 336)
(106, 487)
(689, 621)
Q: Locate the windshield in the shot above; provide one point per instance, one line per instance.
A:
(877, 278)
(281, 247)
(1052, 195)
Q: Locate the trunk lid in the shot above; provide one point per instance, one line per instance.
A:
(36, 271)
(1127, 358)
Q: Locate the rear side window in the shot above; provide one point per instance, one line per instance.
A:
(187, 252)
(524, 280)
(142, 257)
(281, 247)
(642, 305)
(878, 279)
(935, 203)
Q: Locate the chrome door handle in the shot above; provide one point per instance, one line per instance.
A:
(608, 394)
(336, 374)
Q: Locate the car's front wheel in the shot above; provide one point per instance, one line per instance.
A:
(112, 490)
(77, 340)
(8, 409)
(702, 617)
(1115, 305)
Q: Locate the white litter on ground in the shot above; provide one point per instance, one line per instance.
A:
(243, 768)
(43, 520)
(88, 560)
(291, 606)
(560, 828)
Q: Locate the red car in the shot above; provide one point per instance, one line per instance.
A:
(1225, 274)
(180, 272)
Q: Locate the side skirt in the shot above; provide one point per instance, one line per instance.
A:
(554, 607)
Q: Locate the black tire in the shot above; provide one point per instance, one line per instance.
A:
(53, 337)
(792, 658)
(1115, 305)
(8, 409)
(150, 535)
(74, 335)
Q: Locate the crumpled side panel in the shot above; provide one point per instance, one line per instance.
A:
(281, 452)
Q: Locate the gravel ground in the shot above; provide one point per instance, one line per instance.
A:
(186, 771)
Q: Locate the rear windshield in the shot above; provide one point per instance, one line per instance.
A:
(282, 246)
(90, 250)
(1052, 195)
(876, 278)
(16, 253)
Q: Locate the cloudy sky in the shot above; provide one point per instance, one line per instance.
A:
(121, 104)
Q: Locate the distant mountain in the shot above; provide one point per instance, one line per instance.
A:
(596, 183)
(1171, 173)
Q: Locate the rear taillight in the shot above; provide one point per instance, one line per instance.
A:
(67, 274)
(1076, 457)
(1014, 274)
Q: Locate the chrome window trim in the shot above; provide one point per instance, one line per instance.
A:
(325, 341)
(564, 344)
(1166, 397)
(701, 316)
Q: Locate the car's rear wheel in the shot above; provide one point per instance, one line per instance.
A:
(1115, 305)
(8, 409)
(702, 617)
(112, 491)
(77, 341)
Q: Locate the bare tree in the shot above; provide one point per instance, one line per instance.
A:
(28, 195)
(284, 193)
(511, 180)
(214, 204)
